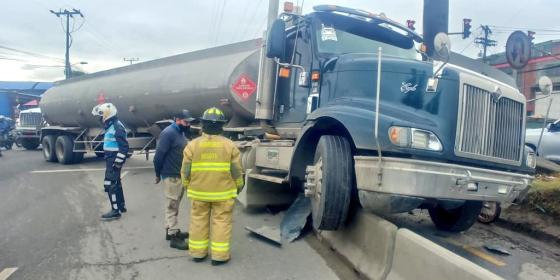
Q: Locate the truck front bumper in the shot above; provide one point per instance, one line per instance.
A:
(417, 179)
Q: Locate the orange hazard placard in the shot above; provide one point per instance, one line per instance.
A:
(244, 87)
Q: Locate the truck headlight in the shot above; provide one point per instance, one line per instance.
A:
(531, 160)
(414, 138)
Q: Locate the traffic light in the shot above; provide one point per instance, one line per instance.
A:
(410, 24)
(466, 28)
(531, 35)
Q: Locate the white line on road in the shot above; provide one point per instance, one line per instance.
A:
(7, 272)
(86, 170)
(124, 174)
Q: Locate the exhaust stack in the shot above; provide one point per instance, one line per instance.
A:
(436, 19)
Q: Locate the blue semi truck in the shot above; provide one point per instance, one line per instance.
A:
(344, 106)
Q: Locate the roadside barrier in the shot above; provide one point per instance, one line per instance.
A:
(377, 249)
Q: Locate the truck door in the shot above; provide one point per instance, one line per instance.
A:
(292, 98)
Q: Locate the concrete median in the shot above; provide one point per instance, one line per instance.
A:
(367, 243)
(416, 257)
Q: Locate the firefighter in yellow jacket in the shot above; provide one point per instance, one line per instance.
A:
(212, 174)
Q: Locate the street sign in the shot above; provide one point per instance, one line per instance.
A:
(518, 49)
(244, 87)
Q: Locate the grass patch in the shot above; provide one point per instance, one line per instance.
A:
(544, 196)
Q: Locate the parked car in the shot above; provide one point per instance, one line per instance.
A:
(550, 143)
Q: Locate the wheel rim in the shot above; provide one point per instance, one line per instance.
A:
(59, 149)
(314, 184)
(488, 212)
(47, 149)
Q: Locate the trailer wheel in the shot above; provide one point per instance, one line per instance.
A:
(458, 219)
(329, 182)
(63, 148)
(30, 144)
(78, 157)
(48, 143)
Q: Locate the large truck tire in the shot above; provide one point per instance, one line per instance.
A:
(30, 144)
(63, 148)
(48, 144)
(78, 157)
(457, 219)
(333, 182)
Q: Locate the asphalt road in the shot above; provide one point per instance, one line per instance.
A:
(50, 229)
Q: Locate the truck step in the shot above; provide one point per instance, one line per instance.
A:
(268, 178)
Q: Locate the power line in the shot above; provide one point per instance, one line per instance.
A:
(131, 59)
(485, 41)
(219, 24)
(28, 53)
(68, 14)
(506, 28)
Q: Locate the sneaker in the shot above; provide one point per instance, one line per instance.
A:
(113, 214)
(123, 209)
(215, 262)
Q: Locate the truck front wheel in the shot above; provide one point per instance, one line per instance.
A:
(48, 143)
(64, 149)
(457, 219)
(329, 182)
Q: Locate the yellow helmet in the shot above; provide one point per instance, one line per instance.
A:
(214, 115)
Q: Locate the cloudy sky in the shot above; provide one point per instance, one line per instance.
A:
(32, 39)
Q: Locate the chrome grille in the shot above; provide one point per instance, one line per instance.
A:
(30, 119)
(488, 128)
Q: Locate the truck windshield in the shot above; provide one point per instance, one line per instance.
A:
(337, 34)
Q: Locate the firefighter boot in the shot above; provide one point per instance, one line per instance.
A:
(113, 214)
(178, 243)
(215, 262)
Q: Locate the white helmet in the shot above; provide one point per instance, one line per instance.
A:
(105, 110)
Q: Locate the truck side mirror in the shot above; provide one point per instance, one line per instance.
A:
(276, 40)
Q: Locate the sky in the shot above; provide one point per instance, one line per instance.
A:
(32, 40)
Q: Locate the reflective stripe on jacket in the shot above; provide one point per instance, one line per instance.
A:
(211, 169)
(114, 139)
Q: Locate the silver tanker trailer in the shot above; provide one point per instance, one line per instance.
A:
(339, 104)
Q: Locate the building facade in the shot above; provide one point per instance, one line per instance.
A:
(545, 60)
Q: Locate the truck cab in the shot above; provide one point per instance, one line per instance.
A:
(28, 129)
(384, 125)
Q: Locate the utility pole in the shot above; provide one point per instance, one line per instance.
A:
(68, 14)
(131, 59)
(485, 41)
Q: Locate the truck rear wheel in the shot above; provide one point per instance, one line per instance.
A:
(48, 143)
(329, 182)
(30, 144)
(63, 148)
(457, 219)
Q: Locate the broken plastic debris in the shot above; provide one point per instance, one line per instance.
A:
(295, 219)
(268, 233)
(497, 249)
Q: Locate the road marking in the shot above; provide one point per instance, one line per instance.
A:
(483, 256)
(85, 170)
(124, 174)
(7, 272)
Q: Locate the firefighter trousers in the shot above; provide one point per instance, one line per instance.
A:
(216, 219)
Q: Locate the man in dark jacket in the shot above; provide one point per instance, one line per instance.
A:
(167, 165)
(115, 147)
